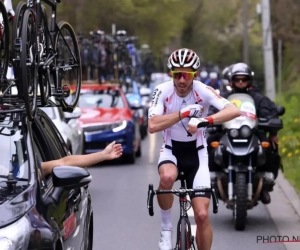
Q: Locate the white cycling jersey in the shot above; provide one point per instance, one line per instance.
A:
(166, 101)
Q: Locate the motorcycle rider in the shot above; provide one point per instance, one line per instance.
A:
(241, 80)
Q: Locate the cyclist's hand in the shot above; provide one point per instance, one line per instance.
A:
(193, 110)
(199, 123)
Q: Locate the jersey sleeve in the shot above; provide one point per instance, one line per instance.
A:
(214, 99)
(157, 103)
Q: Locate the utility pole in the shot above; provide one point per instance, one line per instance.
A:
(245, 34)
(279, 76)
(268, 50)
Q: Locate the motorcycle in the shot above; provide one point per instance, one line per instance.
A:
(240, 155)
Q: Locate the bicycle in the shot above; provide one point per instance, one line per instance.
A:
(45, 56)
(185, 239)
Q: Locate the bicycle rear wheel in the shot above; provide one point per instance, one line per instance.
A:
(4, 41)
(29, 62)
(69, 63)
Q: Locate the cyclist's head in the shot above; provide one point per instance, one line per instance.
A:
(213, 76)
(184, 58)
(225, 75)
(203, 75)
(183, 64)
(121, 35)
(241, 77)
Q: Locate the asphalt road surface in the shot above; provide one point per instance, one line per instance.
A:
(121, 219)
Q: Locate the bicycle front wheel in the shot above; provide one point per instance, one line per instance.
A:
(28, 58)
(69, 64)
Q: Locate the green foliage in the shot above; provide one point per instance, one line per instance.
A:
(214, 32)
(289, 137)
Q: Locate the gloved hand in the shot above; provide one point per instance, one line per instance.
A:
(200, 122)
(193, 110)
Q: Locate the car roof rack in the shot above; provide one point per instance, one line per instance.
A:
(10, 101)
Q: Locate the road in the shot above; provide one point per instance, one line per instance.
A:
(121, 219)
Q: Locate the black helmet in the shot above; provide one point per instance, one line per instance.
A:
(241, 69)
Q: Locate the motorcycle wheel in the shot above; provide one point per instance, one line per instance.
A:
(240, 209)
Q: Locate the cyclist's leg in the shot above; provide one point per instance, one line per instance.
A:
(198, 178)
(168, 174)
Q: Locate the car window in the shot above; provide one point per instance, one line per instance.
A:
(58, 148)
(105, 98)
(13, 148)
(40, 157)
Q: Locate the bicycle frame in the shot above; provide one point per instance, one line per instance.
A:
(183, 202)
(182, 193)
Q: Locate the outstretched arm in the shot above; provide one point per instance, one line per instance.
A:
(112, 151)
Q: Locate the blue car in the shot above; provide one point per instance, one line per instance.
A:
(106, 117)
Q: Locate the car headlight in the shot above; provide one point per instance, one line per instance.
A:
(234, 133)
(15, 236)
(6, 244)
(245, 131)
(119, 126)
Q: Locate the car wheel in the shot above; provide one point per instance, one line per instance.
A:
(145, 131)
(142, 132)
(139, 151)
(130, 158)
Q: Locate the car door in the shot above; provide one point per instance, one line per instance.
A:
(65, 208)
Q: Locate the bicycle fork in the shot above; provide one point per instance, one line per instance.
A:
(184, 224)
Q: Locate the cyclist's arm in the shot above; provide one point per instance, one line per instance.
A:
(227, 111)
(157, 120)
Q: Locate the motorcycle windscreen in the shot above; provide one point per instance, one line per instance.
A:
(246, 105)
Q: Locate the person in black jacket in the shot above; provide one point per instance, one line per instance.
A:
(240, 78)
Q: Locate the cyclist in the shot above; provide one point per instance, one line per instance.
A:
(184, 148)
(213, 80)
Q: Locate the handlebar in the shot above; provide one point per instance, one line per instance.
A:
(152, 192)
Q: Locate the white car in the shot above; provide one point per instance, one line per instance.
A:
(68, 126)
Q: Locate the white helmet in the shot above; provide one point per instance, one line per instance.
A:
(185, 58)
(213, 75)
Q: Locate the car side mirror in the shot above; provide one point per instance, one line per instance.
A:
(280, 110)
(70, 177)
(74, 115)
